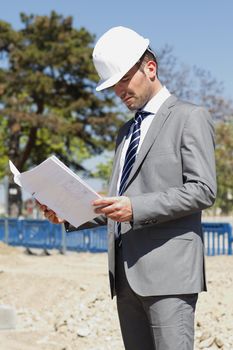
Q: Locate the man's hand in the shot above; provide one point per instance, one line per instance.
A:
(50, 214)
(115, 208)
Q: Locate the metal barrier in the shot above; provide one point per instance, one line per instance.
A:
(31, 233)
(92, 240)
(42, 234)
(218, 238)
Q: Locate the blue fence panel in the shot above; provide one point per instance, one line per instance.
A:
(2, 229)
(14, 232)
(36, 234)
(78, 240)
(31, 233)
(217, 238)
(92, 240)
(98, 239)
(56, 236)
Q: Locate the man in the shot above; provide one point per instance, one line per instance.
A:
(163, 177)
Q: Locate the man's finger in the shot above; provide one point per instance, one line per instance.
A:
(107, 209)
(104, 201)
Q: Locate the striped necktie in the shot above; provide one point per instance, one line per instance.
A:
(132, 149)
(131, 154)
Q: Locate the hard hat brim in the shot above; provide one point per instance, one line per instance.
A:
(107, 83)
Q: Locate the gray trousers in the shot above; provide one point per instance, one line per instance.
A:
(155, 322)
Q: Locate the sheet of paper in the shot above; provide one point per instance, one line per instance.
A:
(16, 173)
(52, 183)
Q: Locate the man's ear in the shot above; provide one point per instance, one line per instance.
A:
(150, 69)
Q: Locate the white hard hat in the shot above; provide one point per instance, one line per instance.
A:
(115, 53)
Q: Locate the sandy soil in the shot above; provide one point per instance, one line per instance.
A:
(63, 302)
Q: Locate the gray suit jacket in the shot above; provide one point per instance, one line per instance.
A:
(172, 180)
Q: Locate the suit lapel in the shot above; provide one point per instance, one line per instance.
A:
(155, 127)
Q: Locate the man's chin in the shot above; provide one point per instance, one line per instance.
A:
(131, 106)
(132, 109)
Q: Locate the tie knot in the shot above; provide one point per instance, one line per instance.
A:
(140, 115)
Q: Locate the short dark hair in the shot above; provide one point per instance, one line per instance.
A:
(148, 55)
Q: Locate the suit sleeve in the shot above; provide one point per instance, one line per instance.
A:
(199, 179)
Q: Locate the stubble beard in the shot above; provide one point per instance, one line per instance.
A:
(138, 100)
(136, 103)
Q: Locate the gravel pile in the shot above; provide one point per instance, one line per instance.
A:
(63, 303)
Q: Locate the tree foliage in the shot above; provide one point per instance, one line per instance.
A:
(194, 84)
(224, 167)
(48, 103)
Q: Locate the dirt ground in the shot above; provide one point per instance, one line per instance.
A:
(62, 302)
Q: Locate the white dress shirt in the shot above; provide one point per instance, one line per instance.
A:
(152, 106)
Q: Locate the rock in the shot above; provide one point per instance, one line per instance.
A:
(205, 335)
(7, 317)
(206, 343)
(83, 331)
(60, 325)
(83, 288)
(198, 334)
(219, 342)
(212, 347)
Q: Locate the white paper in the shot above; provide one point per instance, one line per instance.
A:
(16, 173)
(52, 183)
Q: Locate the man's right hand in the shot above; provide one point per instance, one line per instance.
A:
(50, 214)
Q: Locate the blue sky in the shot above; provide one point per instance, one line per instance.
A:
(200, 31)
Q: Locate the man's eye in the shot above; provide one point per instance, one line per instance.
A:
(125, 79)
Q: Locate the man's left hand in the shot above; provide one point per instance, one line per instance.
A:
(115, 208)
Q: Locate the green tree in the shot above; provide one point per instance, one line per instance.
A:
(103, 171)
(194, 84)
(48, 103)
(224, 167)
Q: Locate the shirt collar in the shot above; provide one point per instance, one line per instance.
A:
(156, 102)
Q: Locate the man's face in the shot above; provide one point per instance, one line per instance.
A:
(134, 89)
